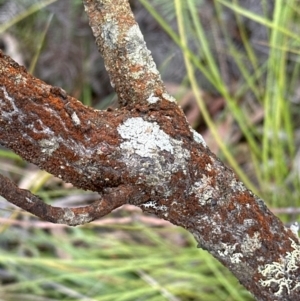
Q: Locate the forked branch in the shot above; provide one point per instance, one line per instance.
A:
(145, 154)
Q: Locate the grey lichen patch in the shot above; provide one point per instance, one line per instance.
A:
(284, 274)
(48, 146)
(248, 222)
(251, 244)
(137, 51)
(110, 33)
(150, 153)
(203, 189)
(237, 186)
(67, 217)
(72, 219)
(261, 204)
(81, 219)
(198, 138)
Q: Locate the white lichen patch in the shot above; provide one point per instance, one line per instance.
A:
(150, 153)
(251, 244)
(48, 146)
(75, 119)
(137, 51)
(154, 205)
(152, 99)
(19, 79)
(38, 127)
(204, 190)
(236, 257)
(282, 274)
(110, 33)
(158, 208)
(208, 167)
(227, 250)
(249, 222)
(3, 103)
(198, 138)
(144, 138)
(168, 97)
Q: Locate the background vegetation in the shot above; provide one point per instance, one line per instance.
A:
(233, 65)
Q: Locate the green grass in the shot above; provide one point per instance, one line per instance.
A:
(94, 262)
(126, 256)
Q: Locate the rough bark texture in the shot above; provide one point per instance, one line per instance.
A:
(144, 153)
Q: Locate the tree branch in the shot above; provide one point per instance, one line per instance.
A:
(128, 62)
(145, 154)
(69, 216)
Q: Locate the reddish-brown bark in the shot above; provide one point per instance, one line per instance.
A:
(144, 153)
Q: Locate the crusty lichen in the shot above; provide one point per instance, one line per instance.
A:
(154, 205)
(147, 151)
(251, 243)
(283, 275)
(72, 219)
(110, 33)
(137, 52)
(152, 99)
(8, 103)
(237, 186)
(48, 146)
(203, 189)
(144, 138)
(227, 250)
(75, 119)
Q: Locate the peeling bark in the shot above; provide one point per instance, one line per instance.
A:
(144, 153)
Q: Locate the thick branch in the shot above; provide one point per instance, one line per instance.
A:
(56, 132)
(169, 168)
(151, 149)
